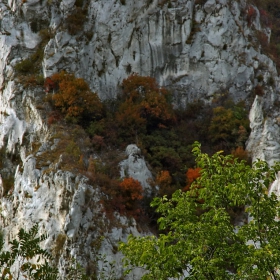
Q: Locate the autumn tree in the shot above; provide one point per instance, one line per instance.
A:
(74, 98)
(135, 87)
(191, 175)
(131, 192)
(131, 124)
(145, 105)
(240, 153)
(164, 182)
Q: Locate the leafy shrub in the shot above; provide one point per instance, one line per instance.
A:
(8, 184)
(164, 182)
(259, 90)
(145, 104)
(143, 114)
(50, 85)
(131, 191)
(74, 98)
(95, 127)
(167, 157)
(24, 66)
(75, 21)
(241, 154)
(70, 147)
(264, 17)
(127, 197)
(163, 178)
(224, 129)
(98, 142)
(54, 117)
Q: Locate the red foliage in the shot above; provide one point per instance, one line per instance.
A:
(54, 117)
(50, 85)
(265, 18)
(127, 196)
(129, 118)
(136, 85)
(123, 197)
(251, 14)
(191, 175)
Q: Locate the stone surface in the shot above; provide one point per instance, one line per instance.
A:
(135, 166)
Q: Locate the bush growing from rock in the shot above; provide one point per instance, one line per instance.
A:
(74, 98)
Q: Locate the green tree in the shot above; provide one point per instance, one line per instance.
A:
(204, 233)
(25, 253)
(228, 126)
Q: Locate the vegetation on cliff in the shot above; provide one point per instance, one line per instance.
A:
(203, 234)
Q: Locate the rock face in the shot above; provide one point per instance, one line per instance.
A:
(135, 166)
(197, 50)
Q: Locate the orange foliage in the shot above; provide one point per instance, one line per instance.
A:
(240, 153)
(136, 85)
(155, 106)
(131, 190)
(145, 104)
(242, 136)
(164, 181)
(128, 117)
(191, 175)
(126, 199)
(123, 197)
(265, 18)
(74, 98)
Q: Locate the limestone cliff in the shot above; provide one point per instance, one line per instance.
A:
(199, 49)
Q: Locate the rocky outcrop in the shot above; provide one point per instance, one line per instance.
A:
(135, 167)
(197, 50)
(263, 142)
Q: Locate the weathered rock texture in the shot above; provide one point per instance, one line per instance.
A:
(196, 50)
